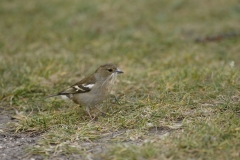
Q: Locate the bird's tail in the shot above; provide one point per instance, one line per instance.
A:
(63, 96)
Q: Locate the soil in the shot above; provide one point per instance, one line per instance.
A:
(13, 145)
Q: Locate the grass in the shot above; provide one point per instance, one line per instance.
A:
(177, 99)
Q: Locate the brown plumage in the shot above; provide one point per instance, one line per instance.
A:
(93, 89)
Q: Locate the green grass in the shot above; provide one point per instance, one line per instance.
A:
(177, 99)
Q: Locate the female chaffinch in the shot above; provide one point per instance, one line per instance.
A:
(93, 89)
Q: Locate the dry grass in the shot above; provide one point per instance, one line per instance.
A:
(177, 99)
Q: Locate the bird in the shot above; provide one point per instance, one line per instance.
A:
(93, 89)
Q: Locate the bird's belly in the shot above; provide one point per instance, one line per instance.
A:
(89, 99)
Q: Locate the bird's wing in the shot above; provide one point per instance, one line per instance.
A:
(85, 85)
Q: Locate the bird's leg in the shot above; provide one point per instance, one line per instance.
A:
(116, 100)
(88, 111)
(101, 111)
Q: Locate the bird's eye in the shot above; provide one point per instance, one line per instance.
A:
(110, 70)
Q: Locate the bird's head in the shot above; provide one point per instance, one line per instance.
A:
(107, 71)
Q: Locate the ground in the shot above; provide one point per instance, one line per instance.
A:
(177, 99)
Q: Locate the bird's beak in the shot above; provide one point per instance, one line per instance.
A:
(118, 71)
